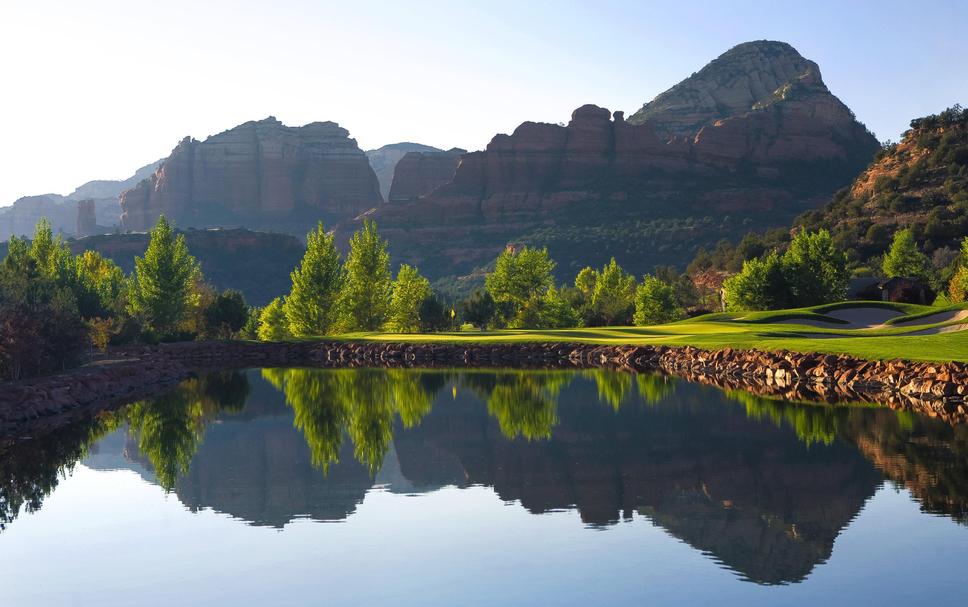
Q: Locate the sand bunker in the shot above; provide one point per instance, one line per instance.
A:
(854, 318)
(949, 316)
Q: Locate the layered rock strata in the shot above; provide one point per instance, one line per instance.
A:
(420, 173)
(259, 175)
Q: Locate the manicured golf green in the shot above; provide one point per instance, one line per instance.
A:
(821, 331)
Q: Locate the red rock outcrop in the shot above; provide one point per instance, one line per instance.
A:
(259, 174)
(86, 218)
(384, 161)
(420, 173)
(755, 135)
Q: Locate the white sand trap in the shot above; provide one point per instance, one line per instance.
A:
(949, 316)
(938, 330)
(854, 318)
(863, 318)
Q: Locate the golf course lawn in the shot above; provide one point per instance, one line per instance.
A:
(872, 330)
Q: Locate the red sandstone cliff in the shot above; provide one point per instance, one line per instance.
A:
(420, 173)
(259, 174)
(752, 139)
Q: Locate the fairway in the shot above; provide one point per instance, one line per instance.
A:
(906, 331)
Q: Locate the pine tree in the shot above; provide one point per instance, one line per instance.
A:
(162, 291)
(410, 289)
(366, 295)
(312, 305)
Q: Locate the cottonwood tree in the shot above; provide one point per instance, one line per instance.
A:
(409, 291)
(311, 307)
(273, 323)
(816, 271)
(905, 259)
(162, 288)
(655, 303)
(520, 278)
(366, 294)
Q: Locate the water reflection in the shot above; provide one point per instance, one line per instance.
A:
(762, 486)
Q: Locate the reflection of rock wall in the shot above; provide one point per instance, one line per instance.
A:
(748, 493)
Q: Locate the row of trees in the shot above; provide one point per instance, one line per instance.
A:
(330, 295)
(55, 306)
(814, 271)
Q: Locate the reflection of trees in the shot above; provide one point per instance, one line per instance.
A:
(31, 469)
(525, 403)
(613, 385)
(169, 428)
(654, 388)
(813, 424)
(360, 402)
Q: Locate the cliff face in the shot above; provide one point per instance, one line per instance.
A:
(420, 173)
(384, 161)
(751, 140)
(259, 174)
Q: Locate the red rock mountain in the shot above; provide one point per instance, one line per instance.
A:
(752, 139)
(384, 161)
(261, 175)
(420, 173)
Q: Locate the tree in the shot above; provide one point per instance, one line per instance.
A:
(479, 309)
(761, 285)
(556, 313)
(104, 286)
(904, 259)
(816, 271)
(408, 293)
(162, 288)
(366, 294)
(312, 305)
(273, 322)
(655, 303)
(585, 281)
(520, 276)
(613, 297)
(958, 287)
(226, 314)
(434, 316)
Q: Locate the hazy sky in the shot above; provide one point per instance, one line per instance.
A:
(94, 89)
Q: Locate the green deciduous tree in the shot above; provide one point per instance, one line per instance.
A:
(904, 259)
(958, 287)
(163, 286)
(479, 309)
(273, 322)
(366, 294)
(408, 293)
(655, 303)
(816, 270)
(556, 312)
(312, 305)
(761, 285)
(434, 315)
(613, 298)
(226, 315)
(520, 276)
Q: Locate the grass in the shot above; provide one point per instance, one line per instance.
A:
(760, 330)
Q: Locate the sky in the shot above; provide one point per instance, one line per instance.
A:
(96, 89)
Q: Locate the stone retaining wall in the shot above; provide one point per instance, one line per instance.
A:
(938, 390)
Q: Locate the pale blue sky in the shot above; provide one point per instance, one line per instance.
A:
(95, 89)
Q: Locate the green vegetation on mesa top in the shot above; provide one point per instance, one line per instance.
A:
(775, 330)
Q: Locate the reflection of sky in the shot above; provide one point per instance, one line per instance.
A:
(111, 538)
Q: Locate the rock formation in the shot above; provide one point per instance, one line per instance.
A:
(420, 173)
(86, 218)
(752, 139)
(21, 217)
(261, 175)
(384, 160)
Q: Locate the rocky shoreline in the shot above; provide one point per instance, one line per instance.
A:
(131, 373)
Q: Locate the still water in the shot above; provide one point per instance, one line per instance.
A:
(372, 487)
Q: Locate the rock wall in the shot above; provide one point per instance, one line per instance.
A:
(934, 389)
(755, 136)
(420, 173)
(260, 175)
(384, 161)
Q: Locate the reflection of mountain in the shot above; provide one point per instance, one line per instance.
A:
(763, 487)
(751, 495)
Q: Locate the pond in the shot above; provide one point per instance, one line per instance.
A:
(408, 487)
